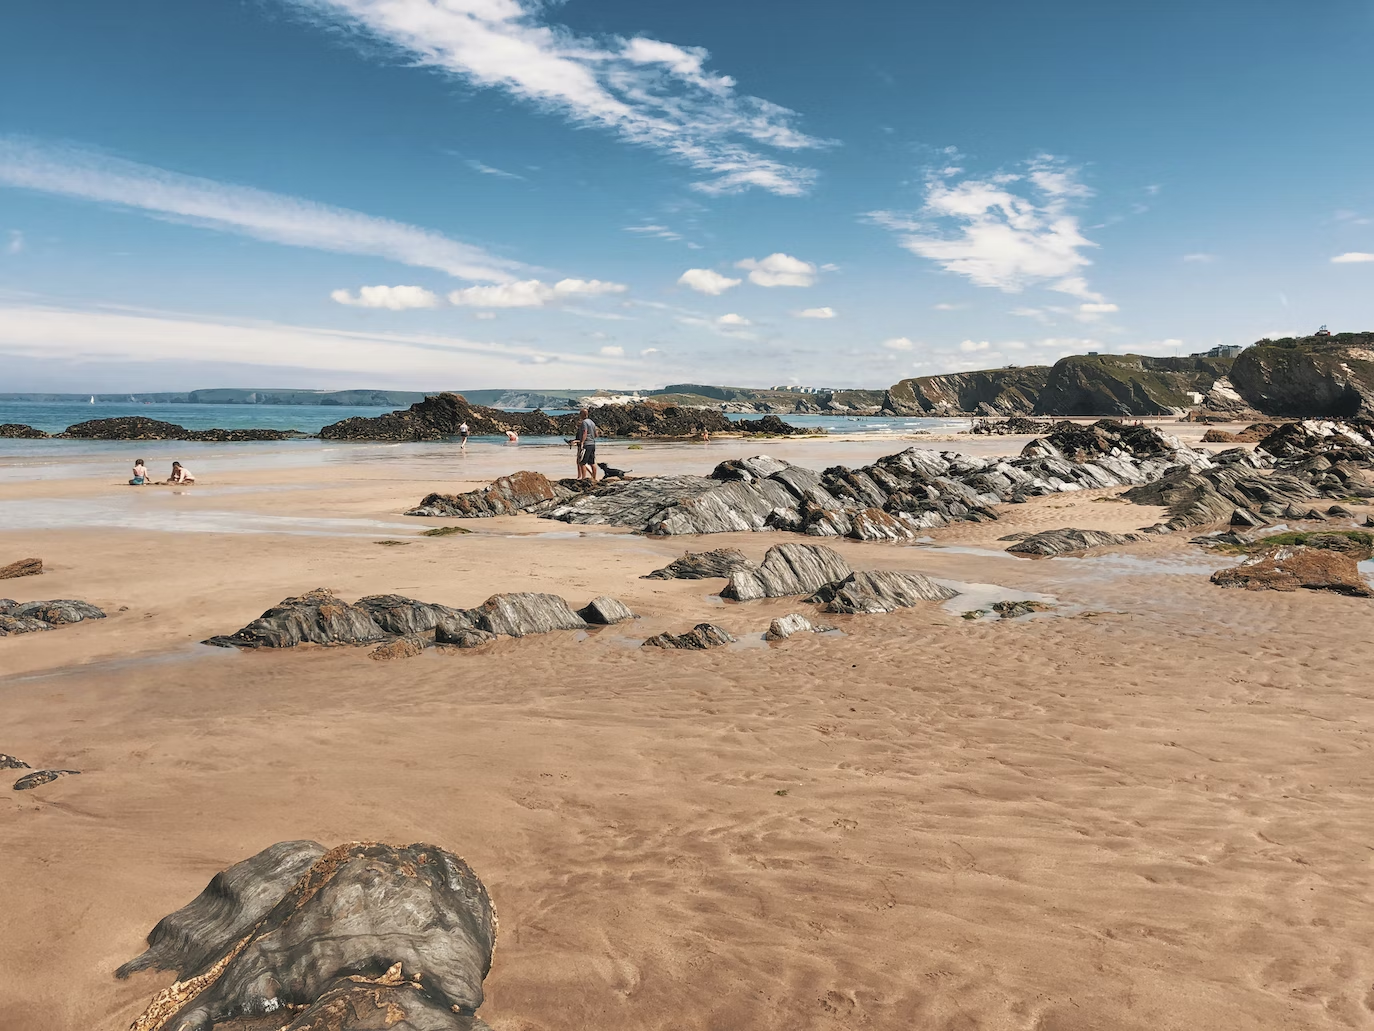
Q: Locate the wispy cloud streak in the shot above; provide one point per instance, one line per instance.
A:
(243, 210)
(649, 92)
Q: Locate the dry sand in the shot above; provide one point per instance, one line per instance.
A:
(1150, 811)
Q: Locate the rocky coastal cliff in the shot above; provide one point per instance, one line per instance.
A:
(1311, 377)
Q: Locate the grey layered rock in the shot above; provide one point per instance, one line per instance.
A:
(370, 936)
(1070, 540)
(11, 626)
(787, 569)
(400, 615)
(701, 565)
(793, 623)
(515, 615)
(1244, 517)
(879, 591)
(699, 638)
(58, 612)
(518, 492)
(9, 762)
(462, 636)
(606, 611)
(316, 617)
(40, 777)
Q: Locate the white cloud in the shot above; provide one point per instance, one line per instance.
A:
(969, 346)
(531, 293)
(1097, 309)
(779, 270)
(732, 319)
(16, 242)
(648, 351)
(816, 313)
(273, 217)
(945, 306)
(986, 230)
(67, 335)
(612, 351)
(660, 232)
(484, 315)
(898, 344)
(397, 298)
(1351, 257)
(707, 281)
(478, 166)
(1200, 258)
(649, 92)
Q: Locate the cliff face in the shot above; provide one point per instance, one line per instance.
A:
(1127, 384)
(990, 392)
(1313, 377)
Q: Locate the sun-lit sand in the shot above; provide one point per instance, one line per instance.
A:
(1148, 809)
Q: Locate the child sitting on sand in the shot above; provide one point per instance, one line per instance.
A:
(180, 474)
(140, 473)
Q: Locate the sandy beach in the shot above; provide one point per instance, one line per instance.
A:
(1144, 809)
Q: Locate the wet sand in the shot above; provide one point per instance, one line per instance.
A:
(1147, 810)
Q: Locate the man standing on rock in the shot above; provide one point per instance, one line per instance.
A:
(586, 447)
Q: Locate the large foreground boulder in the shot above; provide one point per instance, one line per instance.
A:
(1289, 567)
(316, 617)
(363, 936)
(879, 591)
(516, 615)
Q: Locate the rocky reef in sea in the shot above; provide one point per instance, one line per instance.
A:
(439, 416)
(360, 937)
(21, 431)
(34, 616)
(136, 427)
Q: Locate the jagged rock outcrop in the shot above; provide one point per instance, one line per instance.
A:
(320, 617)
(988, 392)
(24, 567)
(1127, 384)
(136, 427)
(405, 647)
(21, 431)
(1290, 567)
(606, 611)
(878, 591)
(792, 624)
(1012, 426)
(364, 936)
(519, 492)
(9, 762)
(1069, 540)
(34, 616)
(38, 778)
(702, 565)
(787, 569)
(1316, 377)
(699, 638)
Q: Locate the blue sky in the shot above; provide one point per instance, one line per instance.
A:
(477, 193)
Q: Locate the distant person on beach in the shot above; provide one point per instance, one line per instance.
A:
(140, 473)
(512, 437)
(585, 443)
(463, 433)
(180, 474)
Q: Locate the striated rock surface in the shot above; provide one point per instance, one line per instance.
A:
(38, 778)
(366, 936)
(1070, 540)
(606, 611)
(406, 647)
(787, 569)
(462, 636)
(699, 638)
(1329, 377)
(1290, 567)
(791, 624)
(879, 591)
(516, 615)
(34, 616)
(703, 565)
(518, 492)
(20, 431)
(316, 617)
(24, 567)
(396, 614)
(990, 392)
(136, 427)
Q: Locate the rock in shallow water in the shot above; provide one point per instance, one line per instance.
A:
(879, 591)
(700, 637)
(360, 937)
(606, 611)
(793, 623)
(1069, 540)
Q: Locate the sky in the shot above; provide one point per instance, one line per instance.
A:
(459, 194)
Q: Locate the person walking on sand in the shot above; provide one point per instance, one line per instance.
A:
(180, 474)
(140, 473)
(585, 443)
(463, 433)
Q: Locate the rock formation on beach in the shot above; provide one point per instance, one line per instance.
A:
(1290, 567)
(701, 565)
(519, 492)
(136, 427)
(33, 616)
(38, 778)
(360, 937)
(699, 638)
(439, 416)
(9, 762)
(24, 567)
(879, 590)
(21, 431)
(1068, 541)
(786, 569)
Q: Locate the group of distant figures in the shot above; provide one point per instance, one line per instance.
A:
(179, 474)
(585, 442)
